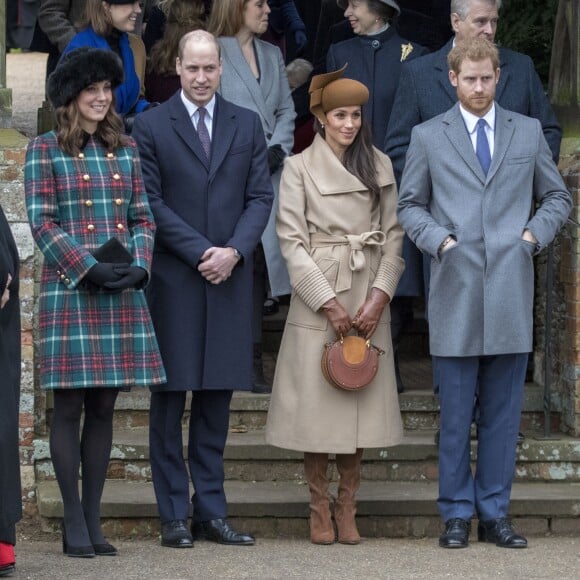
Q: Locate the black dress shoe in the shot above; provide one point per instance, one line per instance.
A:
(7, 569)
(221, 532)
(501, 533)
(174, 534)
(105, 549)
(456, 534)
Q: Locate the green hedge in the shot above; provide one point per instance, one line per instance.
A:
(528, 26)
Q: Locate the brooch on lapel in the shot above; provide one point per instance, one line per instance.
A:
(406, 50)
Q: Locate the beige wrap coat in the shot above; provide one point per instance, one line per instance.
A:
(338, 240)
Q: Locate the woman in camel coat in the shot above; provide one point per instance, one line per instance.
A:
(342, 244)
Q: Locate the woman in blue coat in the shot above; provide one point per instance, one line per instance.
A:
(108, 24)
(90, 217)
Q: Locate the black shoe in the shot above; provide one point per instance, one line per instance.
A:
(221, 532)
(501, 533)
(75, 551)
(456, 534)
(7, 570)
(270, 307)
(105, 549)
(520, 438)
(174, 534)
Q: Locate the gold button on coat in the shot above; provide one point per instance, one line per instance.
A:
(91, 227)
(88, 203)
(81, 155)
(86, 177)
(116, 177)
(67, 281)
(119, 201)
(120, 227)
(110, 156)
(62, 277)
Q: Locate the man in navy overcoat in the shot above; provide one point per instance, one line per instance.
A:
(480, 195)
(206, 173)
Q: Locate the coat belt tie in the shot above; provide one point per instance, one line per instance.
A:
(352, 257)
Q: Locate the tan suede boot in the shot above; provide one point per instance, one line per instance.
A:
(315, 471)
(348, 467)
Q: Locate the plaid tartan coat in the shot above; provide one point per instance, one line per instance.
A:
(74, 206)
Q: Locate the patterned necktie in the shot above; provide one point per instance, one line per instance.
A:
(202, 132)
(482, 146)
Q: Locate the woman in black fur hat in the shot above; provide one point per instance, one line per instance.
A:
(84, 195)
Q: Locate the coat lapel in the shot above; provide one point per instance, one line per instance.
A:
(183, 126)
(459, 137)
(442, 71)
(224, 130)
(234, 54)
(504, 130)
(504, 76)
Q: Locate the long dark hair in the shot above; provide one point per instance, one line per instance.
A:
(359, 157)
(71, 136)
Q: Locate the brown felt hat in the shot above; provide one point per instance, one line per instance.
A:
(330, 91)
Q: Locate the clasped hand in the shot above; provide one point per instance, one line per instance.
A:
(216, 264)
(365, 320)
(115, 277)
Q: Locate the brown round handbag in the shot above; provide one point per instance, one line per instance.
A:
(350, 362)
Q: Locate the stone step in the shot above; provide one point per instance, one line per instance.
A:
(280, 509)
(249, 458)
(419, 407)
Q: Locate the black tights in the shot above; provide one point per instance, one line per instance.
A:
(82, 518)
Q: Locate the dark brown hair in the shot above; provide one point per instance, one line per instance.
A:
(359, 157)
(71, 136)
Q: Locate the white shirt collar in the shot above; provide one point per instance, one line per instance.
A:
(471, 119)
(192, 108)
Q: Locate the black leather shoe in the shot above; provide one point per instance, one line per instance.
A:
(456, 534)
(221, 532)
(501, 533)
(174, 534)
(105, 549)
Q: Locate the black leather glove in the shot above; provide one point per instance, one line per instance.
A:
(131, 277)
(275, 158)
(102, 273)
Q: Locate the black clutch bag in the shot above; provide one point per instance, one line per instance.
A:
(113, 251)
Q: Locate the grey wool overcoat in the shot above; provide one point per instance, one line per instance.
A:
(482, 289)
(331, 228)
(270, 97)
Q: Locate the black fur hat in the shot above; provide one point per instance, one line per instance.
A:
(80, 68)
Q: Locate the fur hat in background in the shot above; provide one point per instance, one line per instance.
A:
(80, 68)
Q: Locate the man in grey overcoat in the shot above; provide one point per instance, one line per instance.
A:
(472, 179)
(206, 172)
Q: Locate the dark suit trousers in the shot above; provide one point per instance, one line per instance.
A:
(499, 381)
(208, 430)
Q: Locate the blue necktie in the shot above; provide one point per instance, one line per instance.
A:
(482, 146)
(202, 132)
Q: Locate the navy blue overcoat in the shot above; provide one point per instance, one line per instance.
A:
(204, 330)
